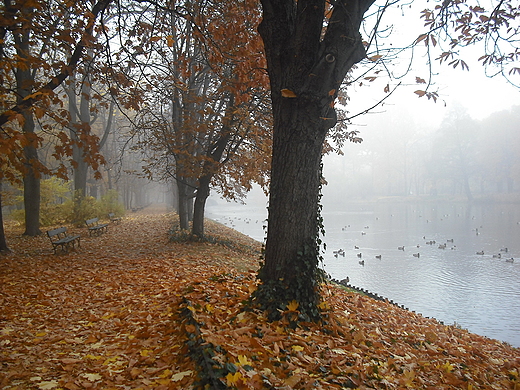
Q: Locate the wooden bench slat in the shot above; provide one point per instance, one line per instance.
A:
(94, 226)
(59, 237)
(113, 218)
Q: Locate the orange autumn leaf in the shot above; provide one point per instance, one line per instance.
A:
(287, 93)
(126, 303)
(293, 305)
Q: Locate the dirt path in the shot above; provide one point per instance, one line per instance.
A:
(102, 316)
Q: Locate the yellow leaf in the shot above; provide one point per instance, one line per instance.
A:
(165, 374)
(287, 93)
(145, 352)
(297, 348)
(293, 305)
(448, 367)
(177, 377)
(324, 305)
(408, 377)
(242, 361)
(41, 334)
(208, 308)
(110, 360)
(231, 379)
(89, 356)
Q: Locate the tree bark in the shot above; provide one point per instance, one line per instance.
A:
(184, 199)
(210, 168)
(203, 191)
(31, 178)
(3, 242)
(305, 69)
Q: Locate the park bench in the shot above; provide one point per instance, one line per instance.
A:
(94, 227)
(113, 218)
(59, 237)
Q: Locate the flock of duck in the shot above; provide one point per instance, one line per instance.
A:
(341, 252)
(499, 255)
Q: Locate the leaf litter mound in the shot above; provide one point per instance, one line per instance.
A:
(129, 310)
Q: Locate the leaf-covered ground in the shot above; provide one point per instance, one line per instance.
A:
(131, 311)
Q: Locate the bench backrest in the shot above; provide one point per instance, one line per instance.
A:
(57, 232)
(92, 221)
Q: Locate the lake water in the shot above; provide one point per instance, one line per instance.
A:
(455, 285)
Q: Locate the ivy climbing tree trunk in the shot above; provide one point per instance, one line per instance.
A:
(307, 63)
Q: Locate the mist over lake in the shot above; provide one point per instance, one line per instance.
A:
(441, 271)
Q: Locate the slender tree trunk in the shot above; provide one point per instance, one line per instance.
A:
(31, 197)
(31, 177)
(31, 180)
(199, 206)
(3, 242)
(183, 209)
(210, 167)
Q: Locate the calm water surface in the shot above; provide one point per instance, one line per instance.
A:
(454, 284)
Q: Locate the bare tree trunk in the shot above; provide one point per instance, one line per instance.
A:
(199, 206)
(31, 178)
(3, 242)
(183, 209)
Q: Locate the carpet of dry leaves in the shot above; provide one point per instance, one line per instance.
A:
(129, 310)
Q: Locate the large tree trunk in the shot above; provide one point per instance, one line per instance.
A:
(291, 252)
(306, 69)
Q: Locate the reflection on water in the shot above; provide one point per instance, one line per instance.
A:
(448, 280)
